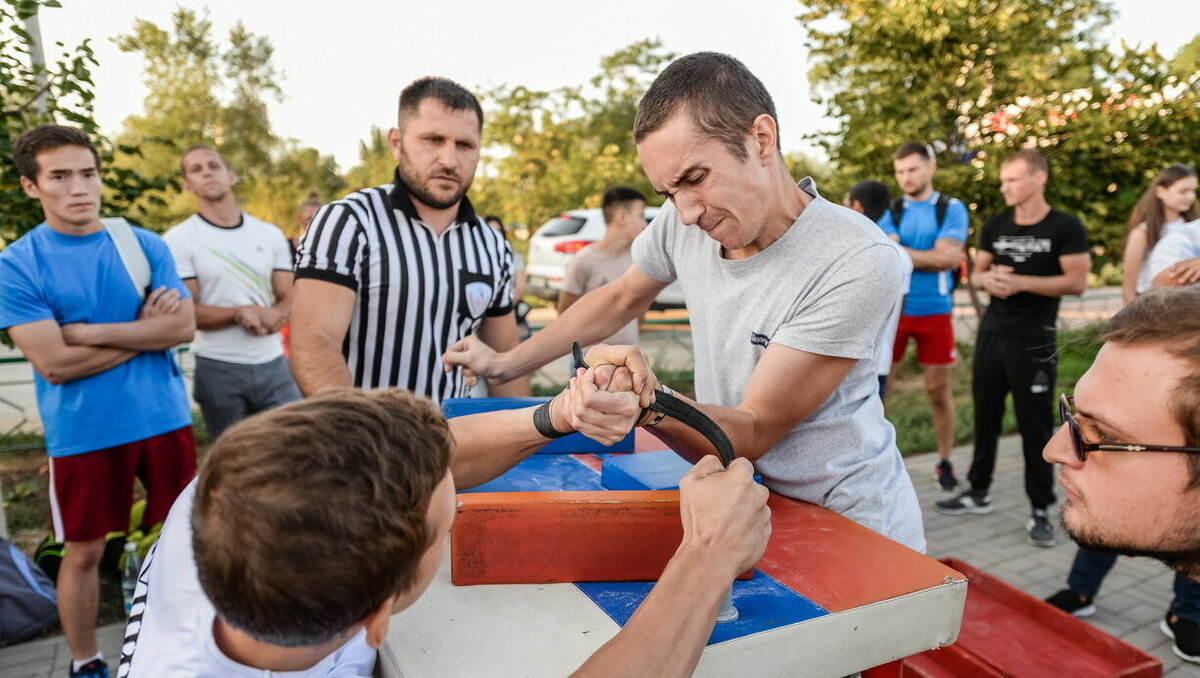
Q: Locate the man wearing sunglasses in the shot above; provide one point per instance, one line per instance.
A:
(1130, 448)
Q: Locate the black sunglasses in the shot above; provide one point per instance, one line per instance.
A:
(1066, 409)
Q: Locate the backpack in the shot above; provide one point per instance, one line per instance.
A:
(131, 253)
(50, 552)
(27, 604)
(942, 205)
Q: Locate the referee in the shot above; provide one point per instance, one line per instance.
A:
(389, 277)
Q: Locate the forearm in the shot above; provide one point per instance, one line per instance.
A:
(1052, 285)
(666, 635)
(739, 425)
(210, 318)
(934, 260)
(489, 443)
(596, 315)
(156, 333)
(317, 363)
(76, 362)
(514, 388)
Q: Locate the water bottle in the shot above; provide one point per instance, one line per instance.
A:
(129, 574)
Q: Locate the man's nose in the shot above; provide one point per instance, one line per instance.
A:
(689, 207)
(1061, 449)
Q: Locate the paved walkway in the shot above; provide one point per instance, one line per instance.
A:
(1134, 598)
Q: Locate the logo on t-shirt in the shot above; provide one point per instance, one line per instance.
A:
(1020, 247)
(759, 339)
(478, 296)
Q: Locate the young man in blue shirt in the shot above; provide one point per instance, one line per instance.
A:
(932, 229)
(109, 392)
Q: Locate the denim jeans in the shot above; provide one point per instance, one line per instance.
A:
(1090, 568)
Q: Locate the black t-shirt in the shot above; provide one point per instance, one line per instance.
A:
(1030, 250)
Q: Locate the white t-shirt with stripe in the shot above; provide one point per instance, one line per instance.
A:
(418, 292)
(232, 266)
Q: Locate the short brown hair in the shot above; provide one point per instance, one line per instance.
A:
(915, 148)
(308, 517)
(720, 94)
(451, 94)
(617, 198)
(47, 138)
(199, 147)
(1033, 158)
(1170, 318)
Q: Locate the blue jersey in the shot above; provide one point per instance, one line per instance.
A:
(930, 291)
(47, 275)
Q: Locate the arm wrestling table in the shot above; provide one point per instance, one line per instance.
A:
(828, 598)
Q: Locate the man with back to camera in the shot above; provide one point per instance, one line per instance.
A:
(348, 496)
(609, 257)
(932, 228)
(238, 270)
(1129, 448)
(388, 277)
(871, 199)
(1029, 256)
(784, 289)
(110, 394)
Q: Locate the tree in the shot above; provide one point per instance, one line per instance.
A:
(376, 165)
(201, 91)
(58, 92)
(548, 151)
(980, 79)
(1187, 59)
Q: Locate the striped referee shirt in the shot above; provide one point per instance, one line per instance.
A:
(417, 292)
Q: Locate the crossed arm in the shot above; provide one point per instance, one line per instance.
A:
(946, 255)
(77, 350)
(1001, 282)
(256, 320)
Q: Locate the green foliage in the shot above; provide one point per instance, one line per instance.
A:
(548, 151)
(59, 91)
(981, 79)
(202, 91)
(1187, 59)
(376, 164)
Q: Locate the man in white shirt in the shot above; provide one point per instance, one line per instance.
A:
(239, 270)
(311, 524)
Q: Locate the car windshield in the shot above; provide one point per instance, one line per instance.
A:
(562, 225)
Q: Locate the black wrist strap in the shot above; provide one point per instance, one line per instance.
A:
(541, 421)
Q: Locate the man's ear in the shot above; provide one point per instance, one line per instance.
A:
(394, 138)
(377, 622)
(31, 188)
(764, 133)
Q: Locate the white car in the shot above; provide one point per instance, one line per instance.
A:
(553, 245)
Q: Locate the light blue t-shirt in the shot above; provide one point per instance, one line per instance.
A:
(47, 275)
(930, 291)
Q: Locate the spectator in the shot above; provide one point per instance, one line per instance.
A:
(1129, 450)
(239, 271)
(1029, 256)
(609, 257)
(389, 277)
(932, 229)
(1175, 260)
(1168, 202)
(109, 392)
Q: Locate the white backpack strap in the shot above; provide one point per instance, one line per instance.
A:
(130, 251)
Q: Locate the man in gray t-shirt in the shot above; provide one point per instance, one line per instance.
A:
(788, 295)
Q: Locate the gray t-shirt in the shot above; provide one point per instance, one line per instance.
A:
(827, 286)
(590, 268)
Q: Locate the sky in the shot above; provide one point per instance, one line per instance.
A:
(345, 65)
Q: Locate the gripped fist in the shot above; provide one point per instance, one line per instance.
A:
(725, 514)
(605, 413)
(162, 301)
(631, 358)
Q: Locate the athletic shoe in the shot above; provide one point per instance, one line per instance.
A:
(967, 502)
(944, 472)
(1041, 532)
(1186, 635)
(93, 669)
(1073, 603)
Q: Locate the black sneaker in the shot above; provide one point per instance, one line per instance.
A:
(93, 669)
(1073, 603)
(944, 472)
(1186, 635)
(1041, 532)
(967, 502)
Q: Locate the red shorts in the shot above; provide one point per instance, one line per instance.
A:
(935, 339)
(91, 493)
